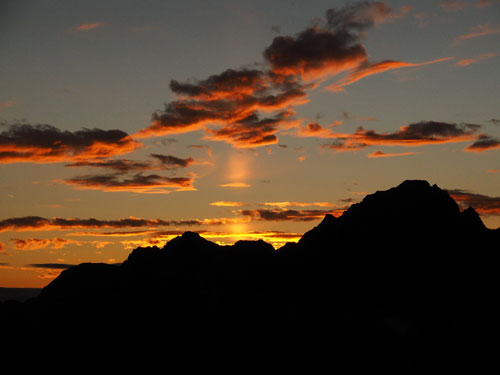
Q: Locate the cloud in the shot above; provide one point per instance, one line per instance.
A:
(235, 185)
(454, 5)
(380, 154)
(494, 121)
(251, 131)
(54, 266)
(36, 223)
(170, 161)
(473, 60)
(126, 165)
(3, 249)
(7, 104)
(207, 148)
(298, 204)
(227, 204)
(483, 204)
(486, 3)
(367, 69)
(121, 165)
(138, 183)
(36, 243)
(88, 26)
(248, 107)
(417, 134)
(232, 101)
(483, 143)
(47, 144)
(478, 31)
(288, 215)
(315, 53)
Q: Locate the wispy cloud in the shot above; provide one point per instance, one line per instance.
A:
(478, 31)
(227, 204)
(7, 104)
(138, 183)
(474, 60)
(37, 243)
(412, 135)
(454, 5)
(380, 154)
(235, 185)
(37, 223)
(88, 26)
(368, 69)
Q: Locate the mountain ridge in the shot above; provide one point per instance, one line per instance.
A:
(404, 262)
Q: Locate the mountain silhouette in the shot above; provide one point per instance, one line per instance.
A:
(403, 264)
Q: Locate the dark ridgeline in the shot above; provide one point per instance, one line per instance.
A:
(404, 266)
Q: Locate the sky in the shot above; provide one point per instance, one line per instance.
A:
(126, 123)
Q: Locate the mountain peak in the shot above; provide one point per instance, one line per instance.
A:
(414, 184)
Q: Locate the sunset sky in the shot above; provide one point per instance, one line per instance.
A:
(126, 123)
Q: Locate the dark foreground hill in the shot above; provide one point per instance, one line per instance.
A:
(404, 266)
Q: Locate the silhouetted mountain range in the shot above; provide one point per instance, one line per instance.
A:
(404, 263)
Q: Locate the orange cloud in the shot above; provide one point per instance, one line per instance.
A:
(478, 31)
(483, 204)
(227, 204)
(467, 62)
(453, 5)
(380, 154)
(47, 144)
(368, 69)
(483, 143)
(7, 104)
(36, 244)
(298, 204)
(235, 185)
(88, 26)
(417, 134)
(232, 102)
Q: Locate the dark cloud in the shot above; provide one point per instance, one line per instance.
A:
(484, 142)
(39, 223)
(228, 83)
(248, 107)
(315, 52)
(483, 204)
(47, 144)
(494, 121)
(138, 183)
(228, 101)
(122, 165)
(55, 266)
(251, 131)
(417, 134)
(344, 145)
(36, 223)
(358, 16)
(285, 215)
(170, 161)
